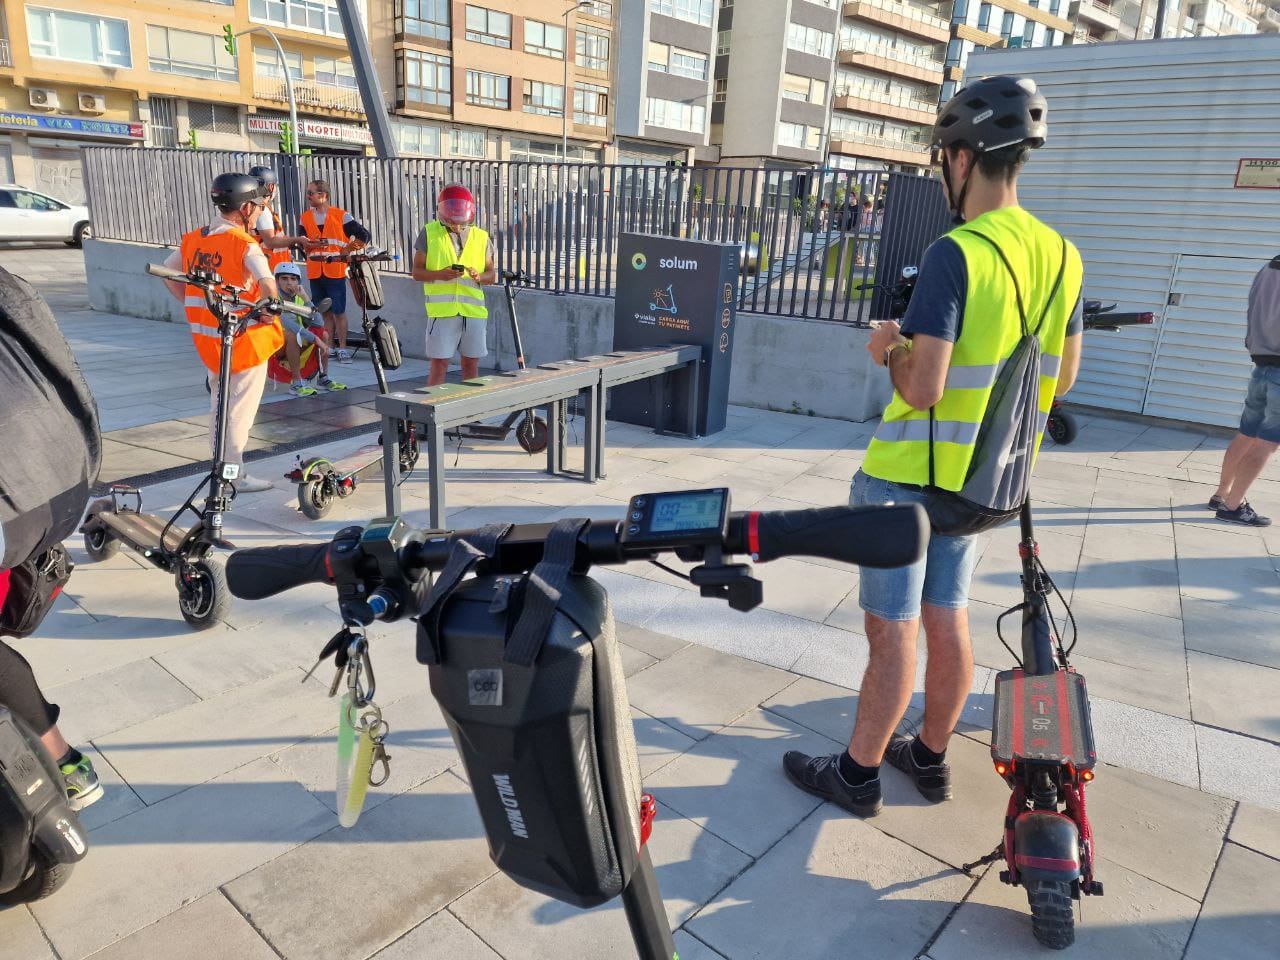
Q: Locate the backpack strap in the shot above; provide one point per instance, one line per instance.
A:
(542, 590)
(1017, 290)
(464, 555)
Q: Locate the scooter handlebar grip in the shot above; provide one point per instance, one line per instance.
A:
(298, 310)
(158, 270)
(258, 572)
(890, 536)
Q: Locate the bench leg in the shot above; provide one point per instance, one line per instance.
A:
(435, 475)
(554, 438)
(391, 465)
(695, 396)
(591, 437)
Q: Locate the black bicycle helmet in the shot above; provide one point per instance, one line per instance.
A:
(992, 113)
(230, 191)
(265, 176)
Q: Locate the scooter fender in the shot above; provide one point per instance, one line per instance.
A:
(1046, 846)
(59, 836)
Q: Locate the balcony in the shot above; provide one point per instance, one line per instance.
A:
(881, 103)
(1100, 12)
(1269, 21)
(6, 58)
(895, 60)
(309, 94)
(900, 16)
(888, 149)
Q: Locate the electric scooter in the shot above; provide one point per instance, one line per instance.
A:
(531, 430)
(200, 578)
(1042, 745)
(1061, 426)
(322, 481)
(899, 291)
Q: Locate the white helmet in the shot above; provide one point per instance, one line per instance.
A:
(288, 268)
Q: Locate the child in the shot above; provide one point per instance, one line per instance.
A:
(289, 280)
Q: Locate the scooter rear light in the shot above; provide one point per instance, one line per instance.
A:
(1003, 768)
(1146, 318)
(1086, 775)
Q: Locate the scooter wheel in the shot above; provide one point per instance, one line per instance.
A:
(1062, 427)
(532, 439)
(100, 545)
(43, 881)
(1053, 916)
(203, 596)
(314, 499)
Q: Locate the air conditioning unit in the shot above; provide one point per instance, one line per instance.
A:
(92, 102)
(43, 98)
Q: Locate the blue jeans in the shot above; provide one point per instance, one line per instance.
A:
(1261, 417)
(941, 579)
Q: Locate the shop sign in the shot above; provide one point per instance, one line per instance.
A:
(1258, 173)
(314, 129)
(44, 123)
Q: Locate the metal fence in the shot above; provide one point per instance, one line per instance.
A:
(811, 238)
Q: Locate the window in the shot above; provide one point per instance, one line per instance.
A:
(336, 73)
(722, 42)
(599, 8)
(424, 79)
(424, 141)
(544, 98)
(984, 16)
(78, 36)
(726, 4)
(675, 115)
(693, 11)
(467, 143)
(592, 48)
(318, 16)
(488, 90)
(544, 39)
(1029, 34)
(26, 200)
(1006, 26)
(798, 135)
(1055, 6)
(960, 11)
(189, 54)
(796, 87)
(591, 104)
(659, 53)
(810, 40)
(266, 63)
(677, 61)
(488, 26)
(424, 18)
(213, 117)
(722, 89)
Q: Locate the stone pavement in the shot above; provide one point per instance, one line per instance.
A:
(218, 827)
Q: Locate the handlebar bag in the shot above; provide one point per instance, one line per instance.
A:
(542, 724)
(27, 591)
(388, 344)
(366, 285)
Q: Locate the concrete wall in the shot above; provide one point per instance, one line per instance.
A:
(812, 367)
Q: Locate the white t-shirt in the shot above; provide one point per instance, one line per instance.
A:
(255, 261)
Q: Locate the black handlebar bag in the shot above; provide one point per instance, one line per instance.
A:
(530, 680)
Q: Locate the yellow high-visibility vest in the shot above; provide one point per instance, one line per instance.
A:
(455, 298)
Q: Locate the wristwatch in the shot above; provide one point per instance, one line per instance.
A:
(888, 351)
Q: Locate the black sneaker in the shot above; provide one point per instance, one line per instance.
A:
(933, 782)
(1244, 515)
(821, 777)
(1215, 503)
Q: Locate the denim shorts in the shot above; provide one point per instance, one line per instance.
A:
(335, 288)
(1261, 417)
(941, 579)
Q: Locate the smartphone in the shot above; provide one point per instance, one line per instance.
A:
(459, 267)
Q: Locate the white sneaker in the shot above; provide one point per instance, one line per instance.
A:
(248, 484)
(344, 355)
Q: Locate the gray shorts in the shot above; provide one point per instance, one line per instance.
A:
(449, 335)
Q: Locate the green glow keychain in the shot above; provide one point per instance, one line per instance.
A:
(360, 745)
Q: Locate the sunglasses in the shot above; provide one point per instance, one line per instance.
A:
(317, 193)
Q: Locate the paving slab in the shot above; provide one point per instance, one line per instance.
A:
(21, 938)
(1240, 767)
(118, 798)
(1134, 586)
(633, 660)
(764, 636)
(699, 690)
(1239, 919)
(656, 743)
(245, 656)
(691, 866)
(442, 935)
(657, 645)
(834, 656)
(119, 698)
(806, 590)
(1146, 741)
(1137, 919)
(1232, 630)
(1234, 695)
(689, 947)
(848, 887)
(636, 600)
(822, 707)
(405, 859)
(147, 865)
(212, 922)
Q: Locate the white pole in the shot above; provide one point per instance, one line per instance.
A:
(288, 83)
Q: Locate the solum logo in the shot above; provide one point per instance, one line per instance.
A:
(639, 261)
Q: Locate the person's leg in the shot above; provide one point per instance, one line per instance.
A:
(470, 367)
(1249, 465)
(438, 373)
(340, 329)
(473, 346)
(444, 337)
(1230, 462)
(1260, 430)
(948, 675)
(243, 398)
(293, 355)
(886, 686)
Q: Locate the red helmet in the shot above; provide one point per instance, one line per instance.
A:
(456, 205)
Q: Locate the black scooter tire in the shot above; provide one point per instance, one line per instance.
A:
(214, 601)
(534, 441)
(1053, 915)
(44, 880)
(314, 499)
(100, 545)
(1062, 427)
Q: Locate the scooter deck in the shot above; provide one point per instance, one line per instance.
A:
(367, 459)
(142, 530)
(1043, 718)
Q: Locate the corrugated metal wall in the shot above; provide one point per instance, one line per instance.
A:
(1144, 141)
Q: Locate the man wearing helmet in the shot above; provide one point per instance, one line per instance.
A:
(965, 318)
(454, 259)
(269, 228)
(228, 247)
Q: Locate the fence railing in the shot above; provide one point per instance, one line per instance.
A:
(880, 95)
(809, 247)
(309, 93)
(909, 12)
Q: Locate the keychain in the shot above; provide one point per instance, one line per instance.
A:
(361, 734)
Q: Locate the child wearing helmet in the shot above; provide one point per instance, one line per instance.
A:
(301, 342)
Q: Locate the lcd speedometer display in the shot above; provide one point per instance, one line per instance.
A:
(678, 512)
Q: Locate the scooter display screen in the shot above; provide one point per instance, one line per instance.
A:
(686, 516)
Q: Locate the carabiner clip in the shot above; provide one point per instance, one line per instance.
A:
(358, 660)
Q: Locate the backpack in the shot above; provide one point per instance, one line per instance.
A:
(999, 476)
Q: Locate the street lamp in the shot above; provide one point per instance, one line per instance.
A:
(288, 83)
(566, 98)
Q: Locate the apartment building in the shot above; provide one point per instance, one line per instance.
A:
(772, 81)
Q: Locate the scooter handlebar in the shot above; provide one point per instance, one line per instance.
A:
(164, 273)
(866, 536)
(259, 572)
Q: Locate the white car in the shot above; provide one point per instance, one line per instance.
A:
(27, 215)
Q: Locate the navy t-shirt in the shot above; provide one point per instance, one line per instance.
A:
(938, 301)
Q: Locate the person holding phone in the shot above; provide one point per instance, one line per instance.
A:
(454, 259)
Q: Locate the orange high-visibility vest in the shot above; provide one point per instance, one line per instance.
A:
(332, 231)
(224, 252)
(283, 255)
